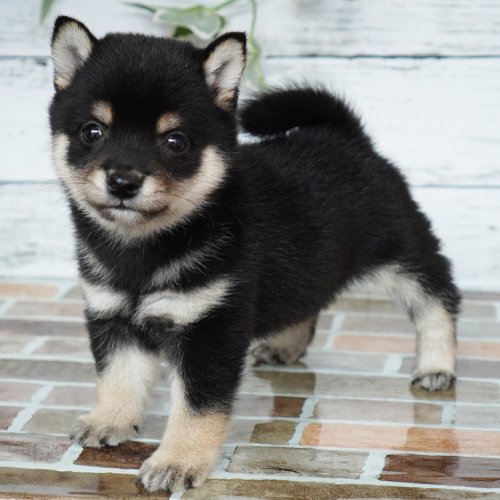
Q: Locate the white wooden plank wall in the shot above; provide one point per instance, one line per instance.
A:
(424, 75)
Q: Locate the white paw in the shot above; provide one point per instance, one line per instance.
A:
(166, 471)
(93, 432)
(277, 355)
(434, 381)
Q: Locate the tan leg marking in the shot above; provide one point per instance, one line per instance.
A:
(436, 341)
(123, 391)
(287, 346)
(189, 448)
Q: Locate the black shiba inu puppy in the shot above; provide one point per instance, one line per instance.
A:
(193, 249)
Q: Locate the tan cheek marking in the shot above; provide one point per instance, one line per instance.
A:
(103, 112)
(167, 121)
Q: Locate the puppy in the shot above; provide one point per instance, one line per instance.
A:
(192, 248)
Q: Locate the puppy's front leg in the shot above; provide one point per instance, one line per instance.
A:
(206, 377)
(189, 448)
(126, 374)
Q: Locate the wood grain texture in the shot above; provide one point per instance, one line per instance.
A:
(438, 120)
(291, 27)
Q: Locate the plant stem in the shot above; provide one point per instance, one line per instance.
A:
(224, 4)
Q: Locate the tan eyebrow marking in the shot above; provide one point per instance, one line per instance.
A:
(102, 111)
(166, 122)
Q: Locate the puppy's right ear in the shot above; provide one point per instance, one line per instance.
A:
(72, 44)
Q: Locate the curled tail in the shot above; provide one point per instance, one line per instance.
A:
(281, 110)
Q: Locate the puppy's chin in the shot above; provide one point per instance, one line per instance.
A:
(129, 217)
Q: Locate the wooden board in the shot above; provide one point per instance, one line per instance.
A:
(290, 27)
(438, 120)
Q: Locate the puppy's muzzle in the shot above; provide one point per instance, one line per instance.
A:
(124, 185)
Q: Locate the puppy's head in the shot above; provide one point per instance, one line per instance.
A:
(142, 127)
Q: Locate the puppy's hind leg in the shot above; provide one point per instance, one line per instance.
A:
(432, 306)
(287, 346)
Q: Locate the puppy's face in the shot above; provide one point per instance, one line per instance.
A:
(142, 126)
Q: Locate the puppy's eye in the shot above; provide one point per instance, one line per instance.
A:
(177, 142)
(91, 132)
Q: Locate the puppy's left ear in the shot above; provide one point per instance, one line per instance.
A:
(223, 64)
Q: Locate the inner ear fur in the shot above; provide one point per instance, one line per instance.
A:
(223, 65)
(72, 44)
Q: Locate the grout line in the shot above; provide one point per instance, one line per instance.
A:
(71, 454)
(392, 364)
(338, 321)
(449, 415)
(25, 415)
(46, 357)
(307, 412)
(7, 304)
(32, 346)
(374, 465)
(42, 318)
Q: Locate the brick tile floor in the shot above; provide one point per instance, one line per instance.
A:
(341, 423)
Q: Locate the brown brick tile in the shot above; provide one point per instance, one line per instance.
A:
(81, 485)
(478, 329)
(128, 455)
(324, 321)
(46, 309)
(318, 341)
(344, 361)
(366, 387)
(23, 327)
(72, 346)
(375, 323)
(26, 290)
(479, 368)
(452, 471)
(53, 421)
(366, 306)
(86, 397)
(382, 411)
(268, 406)
(471, 310)
(14, 391)
(234, 489)
(10, 344)
(7, 414)
(481, 296)
(296, 462)
(407, 345)
(276, 432)
(32, 448)
(402, 438)
(485, 417)
(47, 370)
(71, 396)
(74, 294)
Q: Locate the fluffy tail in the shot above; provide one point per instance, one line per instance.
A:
(281, 110)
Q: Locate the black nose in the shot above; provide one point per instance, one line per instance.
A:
(124, 185)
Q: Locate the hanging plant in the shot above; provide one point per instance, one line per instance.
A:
(205, 23)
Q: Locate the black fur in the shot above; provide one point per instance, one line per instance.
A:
(300, 215)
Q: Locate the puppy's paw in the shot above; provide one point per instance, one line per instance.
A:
(276, 355)
(93, 432)
(436, 381)
(170, 472)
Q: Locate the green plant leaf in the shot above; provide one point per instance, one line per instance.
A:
(45, 8)
(205, 23)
